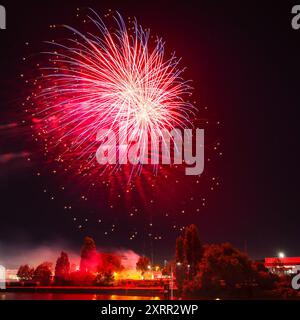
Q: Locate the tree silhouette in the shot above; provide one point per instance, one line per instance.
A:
(25, 273)
(62, 268)
(193, 249)
(43, 273)
(142, 264)
(89, 256)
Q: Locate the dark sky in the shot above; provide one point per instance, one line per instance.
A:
(244, 60)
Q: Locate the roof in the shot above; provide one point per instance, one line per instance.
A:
(289, 261)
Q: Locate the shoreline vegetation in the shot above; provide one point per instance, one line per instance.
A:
(197, 271)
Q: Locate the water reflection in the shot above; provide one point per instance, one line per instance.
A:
(70, 296)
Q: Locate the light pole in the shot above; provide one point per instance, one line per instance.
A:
(172, 287)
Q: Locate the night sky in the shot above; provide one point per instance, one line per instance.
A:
(243, 58)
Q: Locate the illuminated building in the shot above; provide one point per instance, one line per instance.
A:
(282, 266)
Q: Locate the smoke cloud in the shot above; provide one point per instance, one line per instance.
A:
(12, 257)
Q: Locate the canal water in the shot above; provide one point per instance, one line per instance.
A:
(70, 296)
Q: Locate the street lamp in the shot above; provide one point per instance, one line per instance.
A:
(281, 255)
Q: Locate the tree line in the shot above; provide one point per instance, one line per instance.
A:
(223, 271)
(96, 268)
(200, 270)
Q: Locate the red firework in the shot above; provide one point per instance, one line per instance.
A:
(114, 79)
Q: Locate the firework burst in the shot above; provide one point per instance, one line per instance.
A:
(117, 79)
(114, 76)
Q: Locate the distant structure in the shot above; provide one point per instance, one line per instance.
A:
(11, 275)
(282, 266)
(2, 17)
(2, 278)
